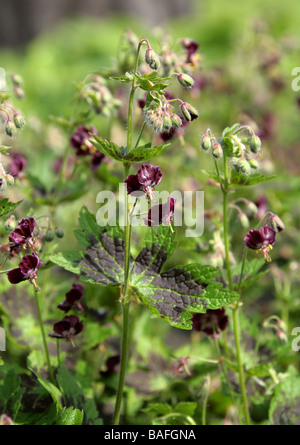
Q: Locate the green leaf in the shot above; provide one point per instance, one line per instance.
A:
(228, 146)
(50, 388)
(230, 130)
(138, 154)
(11, 394)
(6, 206)
(238, 178)
(186, 408)
(128, 77)
(158, 408)
(212, 175)
(70, 416)
(4, 150)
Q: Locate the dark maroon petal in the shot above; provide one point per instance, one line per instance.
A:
(76, 326)
(17, 166)
(149, 175)
(168, 135)
(15, 276)
(79, 139)
(75, 294)
(61, 328)
(30, 265)
(268, 235)
(253, 239)
(197, 321)
(65, 306)
(133, 186)
(97, 160)
(161, 213)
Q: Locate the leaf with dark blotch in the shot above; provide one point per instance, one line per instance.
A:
(174, 295)
(104, 261)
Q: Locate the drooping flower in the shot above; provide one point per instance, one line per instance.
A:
(261, 240)
(80, 140)
(22, 234)
(73, 299)
(147, 177)
(211, 323)
(17, 165)
(67, 328)
(27, 270)
(161, 214)
(111, 364)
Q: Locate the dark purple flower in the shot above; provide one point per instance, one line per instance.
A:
(80, 140)
(17, 165)
(27, 269)
(97, 160)
(261, 240)
(111, 364)
(161, 214)
(211, 323)
(147, 177)
(22, 234)
(67, 328)
(191, 47)
(73, 298)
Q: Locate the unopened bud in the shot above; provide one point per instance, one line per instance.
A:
(19, 120)
(11, 223)
(176, 121)
(49, 235)
(189, 112)
(244, 220)
(217, 151)
(158, 124)
(185, 80)
(243, 166)
(59, 232)
(152, 59)
(10, 179)
(252, 209)
(253, 163)
(206, 142)
(255, 144)
(19, 93)
(167, 122)
(17, 80)
(10, 127)
(276, 223)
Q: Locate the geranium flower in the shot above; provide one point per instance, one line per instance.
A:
(161, 214)
(80, 140)
(67, 328)
(147, 177)
(22, 234)
(211, 323)
(27, 270)
(73, 298)
(261, 240)
(17, 165)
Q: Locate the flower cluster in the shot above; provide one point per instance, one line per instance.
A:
(12, 118)
(96, 93)
(143, 182)
(241, 150)
(80, 141)
(145, 179)
(70, 325)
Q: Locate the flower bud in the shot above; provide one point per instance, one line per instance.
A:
(59, 232)
(167, 122)
(19, 120)
(276, 223)
(10, 179)
(11, 223)
(152, 59)
(217, 151)
(176, 121)
(49, 235)
(188, 111)
(17, 80)
(19, 93)
(253, 163)
(243, 166)
(158, 124)
(255, 144)
(244, 220)
(206, 142)
(3, 183)
(10, 127)
(185, 80)
(252, 209)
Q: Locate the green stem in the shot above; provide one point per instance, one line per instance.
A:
(58, 352)
(230, 284)
(44, 338)
(124, 354)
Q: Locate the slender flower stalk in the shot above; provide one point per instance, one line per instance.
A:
(230, 284)
(44, 338)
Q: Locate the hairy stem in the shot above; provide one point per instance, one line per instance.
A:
(230, 284)
(44, 338)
